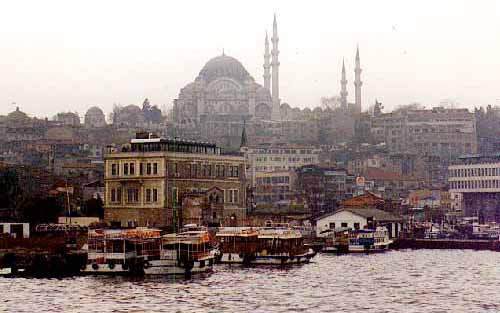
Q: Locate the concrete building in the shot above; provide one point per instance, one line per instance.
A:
(145, 183)
(279, 157)
(17, 230)
(68, 118)
(359, 218)
(445, 133)
(275, 188)
(477, 180)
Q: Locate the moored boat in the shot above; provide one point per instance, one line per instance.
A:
(336, 240)
(237, 244)
(369, 240)
(117, 251)
(184, 253)
(263, 246)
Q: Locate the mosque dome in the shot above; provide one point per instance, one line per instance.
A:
(17, 115)
(95, 111)
(224, 66)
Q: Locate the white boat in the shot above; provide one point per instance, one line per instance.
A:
(116, 251)
(185, 253)
(369, 240)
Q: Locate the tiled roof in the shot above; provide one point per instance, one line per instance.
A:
(372, 173)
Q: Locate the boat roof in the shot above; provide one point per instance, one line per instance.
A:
(237, 231)
(279, 233)
(188, 237)
(133, 233)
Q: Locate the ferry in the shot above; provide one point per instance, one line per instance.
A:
(118, 251)
(263, 246)
(237, 245)
(369, 240)
(336, 240)
(185, 253)
(281, 246)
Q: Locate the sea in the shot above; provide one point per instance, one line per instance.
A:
(395, 281)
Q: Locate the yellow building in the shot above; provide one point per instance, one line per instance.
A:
(146, 182)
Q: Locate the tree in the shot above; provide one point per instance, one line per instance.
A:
(94, 207)
(9, 188)
(37, 210)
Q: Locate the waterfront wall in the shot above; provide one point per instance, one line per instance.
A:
(446, 244)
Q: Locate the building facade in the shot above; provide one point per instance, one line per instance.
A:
(284, 157)
(445, 133)
(145, 184)
(477, 180)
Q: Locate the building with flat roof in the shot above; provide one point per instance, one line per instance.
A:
(279, 157)
(477, 179)
(146, 181)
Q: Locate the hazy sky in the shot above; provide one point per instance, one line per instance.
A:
(68, 55)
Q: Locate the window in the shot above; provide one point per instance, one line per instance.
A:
(194, 171)
(232, 195)
(141, 169)
(132, 168)
(148, 195)
(148, 169)
(113, 170)
(332, 225)
(132, 195)
(155, 168)
(113, 195)
(125, 169)
(155, 195)
(236, 171)
(356, 226)
(343, 224)
(118, 194)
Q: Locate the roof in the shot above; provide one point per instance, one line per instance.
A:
(224, 66)
(375, 173)
(377, 214)
(94, 184)
(366, 199)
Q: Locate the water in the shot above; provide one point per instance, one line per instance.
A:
(397, 281)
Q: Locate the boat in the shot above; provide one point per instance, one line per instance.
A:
(369, 240)
(185, 253)
(237, 245)
(118, 251)
(335, 240)
(263, 246)
(281, 246)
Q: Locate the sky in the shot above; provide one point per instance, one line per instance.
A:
(60, 56)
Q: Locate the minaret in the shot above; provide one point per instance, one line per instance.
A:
(343, 88)
(267, 65)
(357, 83)
(275, 115)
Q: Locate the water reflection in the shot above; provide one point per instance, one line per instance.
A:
(397, 281)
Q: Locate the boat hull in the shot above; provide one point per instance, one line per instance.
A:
(268, 259)
(172, 267)
(105, 269)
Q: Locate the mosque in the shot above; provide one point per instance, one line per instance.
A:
(224, 98)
